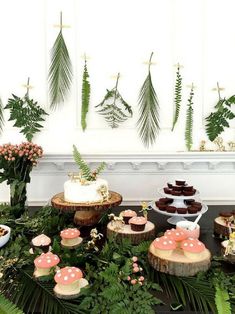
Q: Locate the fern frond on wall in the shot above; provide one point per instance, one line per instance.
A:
(189, 121)
(148, 122)
(85, 96)
(1, 116)
(60, 71)
(178, 96)
(114, 108)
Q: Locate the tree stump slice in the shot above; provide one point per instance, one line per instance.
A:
(135, 237)
(86, 214)
(178, 264)
(221, 228)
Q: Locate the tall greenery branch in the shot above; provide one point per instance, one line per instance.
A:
(189, 121)
(148, 122)
(1, 116)
(85, 96)
(114, 108)
(178, 96)
(217, 121)
(60, 71)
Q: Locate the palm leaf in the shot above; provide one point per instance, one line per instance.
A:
(85, 96)
(189, 121)
(148, 123)
(178, 96)
(60, 71)
(1, 116)
(7, 307)
(222, 300)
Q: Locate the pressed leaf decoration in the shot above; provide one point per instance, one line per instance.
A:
(189, 121)
(114, 108)
(178, 96)
(148, 122)
(60, 71)
(27, 114)
(1, 116)
(217, 121)
(85, 96)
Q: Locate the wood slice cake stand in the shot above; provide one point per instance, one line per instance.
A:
(221, 228)
(178, 264)
(229, 257)
(86, 214)
(135, 237)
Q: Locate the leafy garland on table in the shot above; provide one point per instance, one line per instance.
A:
(189, 121)
(7, 307)
(60, 71)
(178, 96)
(107, 271)
(27, 114)
(148, 122)
(218, 120)
(1, 116)
(86, 89)
(114, 108)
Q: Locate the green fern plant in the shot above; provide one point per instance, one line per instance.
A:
(114, 108)
(87, 173)
(189, 121)
(178, 96)
(217, 121)
(1, 116)
(27, 114)
(60, 71)
(148, 122)
(222, 300)
(85, 96)
(7, 307)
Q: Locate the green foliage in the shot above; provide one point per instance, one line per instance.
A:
(148, 122)
(85, 96)
(7, 307)
(178, 96)
(217, 121)
(1, 116)
(114, 108)
(27, 115)
(189, 121)
(87, 173)
(222, 300)
(60, 71)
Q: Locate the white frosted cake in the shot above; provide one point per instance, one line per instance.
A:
(91, 192)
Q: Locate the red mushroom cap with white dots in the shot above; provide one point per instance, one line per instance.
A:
(192, 245)
(68, 275)
(70, 233)
(176, 234)
(46, 260)
(164, 243)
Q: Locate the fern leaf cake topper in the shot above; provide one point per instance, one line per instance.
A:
(86, 172)
(178, 95)
(60, 71)
(114, 108)
(189, 120)
(217, 121)
(85, 95)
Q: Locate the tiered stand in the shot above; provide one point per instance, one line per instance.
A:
(178, 203)
(178, 264)
(86, 214)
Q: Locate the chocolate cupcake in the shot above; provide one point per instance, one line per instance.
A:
(41, 242)
(167, 190)
(171, 209)
(225, 214)
(197, 205)
(188, 193)
(192, 210)
(181, 210)
(162, 207)
(177, 188)
(127, 215)
(176, 193)
(179, 182)
(188, 188)
(137, 223)
(169, 185)
(165, 200)
(189, 201)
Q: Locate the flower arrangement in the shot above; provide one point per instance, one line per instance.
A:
(17, 161)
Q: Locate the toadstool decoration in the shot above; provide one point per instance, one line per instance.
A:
(44, 264)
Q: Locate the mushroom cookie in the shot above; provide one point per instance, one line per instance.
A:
(69, 281)
(164, 246)
(176, 235)
(44, 263)
(70, 238)
(193, 248)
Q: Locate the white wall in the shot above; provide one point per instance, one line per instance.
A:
(119, 36)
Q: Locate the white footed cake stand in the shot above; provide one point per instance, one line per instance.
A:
(178, 202)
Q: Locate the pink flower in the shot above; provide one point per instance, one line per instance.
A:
(128, 278)
(134, 259)
(135, 265)
(133, 281)
(141, 278)
(136, 269)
